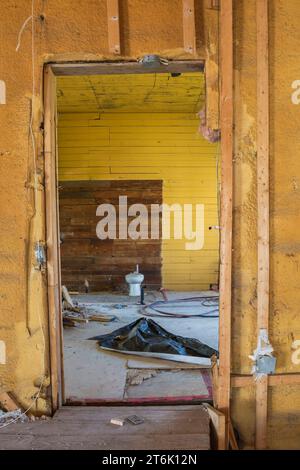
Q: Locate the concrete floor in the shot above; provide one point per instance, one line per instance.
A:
(94, 373)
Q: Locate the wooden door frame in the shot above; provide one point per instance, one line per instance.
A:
(52, 222)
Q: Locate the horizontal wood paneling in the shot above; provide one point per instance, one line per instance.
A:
(151, 92)
(150, 146)
(104, 263)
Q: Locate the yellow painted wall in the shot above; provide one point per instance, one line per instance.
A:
(162, 146)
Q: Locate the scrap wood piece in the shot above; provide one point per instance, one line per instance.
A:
(232, 438)
(218, 427)
(203, 362)
(102, 318)
(215, 380)
(67, 301)
(67, 322)
(74, 318)
(8, 402)
(151, 363)
(66, 296)
(117, 421)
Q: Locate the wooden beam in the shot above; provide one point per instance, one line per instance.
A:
(189, 27)
(52, 239)
(263, 262)
(113, 23)
(111, 68)
(239, 381)
(226, 121)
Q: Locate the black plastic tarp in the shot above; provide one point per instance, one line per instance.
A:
(147, 336)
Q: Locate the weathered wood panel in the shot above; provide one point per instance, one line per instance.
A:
(104, 263)
(89, 428)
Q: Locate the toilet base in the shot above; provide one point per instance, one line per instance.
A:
(134, 290)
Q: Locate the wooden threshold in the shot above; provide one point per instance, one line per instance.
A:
(149, 401)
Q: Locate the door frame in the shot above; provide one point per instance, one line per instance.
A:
(52, 214)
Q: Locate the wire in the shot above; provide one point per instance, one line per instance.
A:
(204, 301)
(21, 32)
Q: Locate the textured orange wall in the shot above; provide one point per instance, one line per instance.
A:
(77, 31)
(284, 402)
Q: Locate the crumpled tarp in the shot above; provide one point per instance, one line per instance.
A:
(146, 335)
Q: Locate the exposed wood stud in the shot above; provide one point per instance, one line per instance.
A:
(53, 262)
(113, 22)
(262, 207)
(189, 29)
(226, 120)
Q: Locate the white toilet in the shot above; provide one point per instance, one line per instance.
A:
(134, 281)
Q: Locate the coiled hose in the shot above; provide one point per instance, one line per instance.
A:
(205, 301)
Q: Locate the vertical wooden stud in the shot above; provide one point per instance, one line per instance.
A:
(113, 21)
(263, 263)
(226, 122)
(189, 29)
(52, 239)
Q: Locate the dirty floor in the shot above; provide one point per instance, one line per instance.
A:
(89, 428)
(91, 373)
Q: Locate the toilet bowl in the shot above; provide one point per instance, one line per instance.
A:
(134, 281)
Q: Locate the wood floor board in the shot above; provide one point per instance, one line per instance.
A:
(164, 427)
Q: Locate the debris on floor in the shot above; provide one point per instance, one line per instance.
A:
(73, 314)
(152, 363)
(67, 301)
(10, 410)
(13, 416)
(145, 335)
(136, 377)
(102, 374)
(173, 384)
(117, 421)
(134, 419)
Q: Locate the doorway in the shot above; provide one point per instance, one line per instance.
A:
(191, 176)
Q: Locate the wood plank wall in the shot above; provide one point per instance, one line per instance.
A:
(104, 263)
(151, 146)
